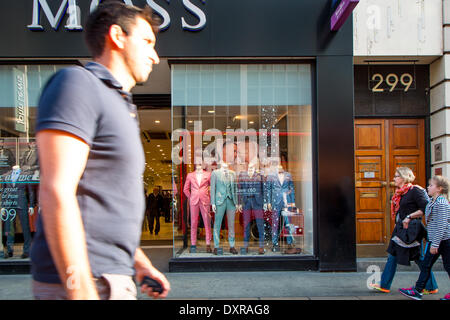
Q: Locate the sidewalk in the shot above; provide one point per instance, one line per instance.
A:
(260, 285)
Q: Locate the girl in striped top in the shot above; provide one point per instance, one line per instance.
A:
(437, 216)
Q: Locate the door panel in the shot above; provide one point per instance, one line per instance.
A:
(370, 176)
(407, 149)
(382, 145)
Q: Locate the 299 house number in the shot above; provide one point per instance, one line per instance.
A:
(393, 82)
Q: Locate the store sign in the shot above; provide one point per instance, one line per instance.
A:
(71, 8)
(343, 11)
(19, 100)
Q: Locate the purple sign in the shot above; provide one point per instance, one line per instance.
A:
(342, 12)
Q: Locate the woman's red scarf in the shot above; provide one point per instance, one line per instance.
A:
(399, 193)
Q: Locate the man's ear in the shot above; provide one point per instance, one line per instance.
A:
(117, 36)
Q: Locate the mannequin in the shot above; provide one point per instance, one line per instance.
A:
(196, 190)
(223, 200)
(252, 203)
(18, 199)
(7, 159)
(29, 159)
(281, 195)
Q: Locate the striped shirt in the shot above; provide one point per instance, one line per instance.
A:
(437, 216)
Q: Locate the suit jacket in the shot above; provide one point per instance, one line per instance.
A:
(18, 196)
(154, 204)
(30, 159)
(7, 160)
(220, 184)
(275, 190)
(197, 192)
(251, 190)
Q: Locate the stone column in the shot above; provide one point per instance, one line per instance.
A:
(440, 103)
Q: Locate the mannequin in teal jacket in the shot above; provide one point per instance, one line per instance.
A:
(223, 200)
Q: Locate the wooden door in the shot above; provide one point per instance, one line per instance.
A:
(382, 145)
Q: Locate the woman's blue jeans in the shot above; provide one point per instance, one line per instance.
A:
(391, 267)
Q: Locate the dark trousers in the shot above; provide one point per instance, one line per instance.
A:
(25, 223)
(167, 215)
(151, 222)
(429, 260)
(259, 218)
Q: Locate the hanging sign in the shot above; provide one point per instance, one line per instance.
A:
(342, 12)
(20, 96)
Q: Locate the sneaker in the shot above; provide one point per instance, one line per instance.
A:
(411, 293)
(447, 297)
(426, 292)
(378, 288)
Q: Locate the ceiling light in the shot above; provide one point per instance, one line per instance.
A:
(251, 122)
(211, 111)
(157, 121)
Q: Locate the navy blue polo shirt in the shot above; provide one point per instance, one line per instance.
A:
(89, 103)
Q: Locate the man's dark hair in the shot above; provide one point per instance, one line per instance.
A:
(114, 12)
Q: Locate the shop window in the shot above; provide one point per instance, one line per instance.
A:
(20, 88)
(241, 154)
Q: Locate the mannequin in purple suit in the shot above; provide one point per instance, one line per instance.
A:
(196, 188)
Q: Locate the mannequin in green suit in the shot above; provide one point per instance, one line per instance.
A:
(224, 199)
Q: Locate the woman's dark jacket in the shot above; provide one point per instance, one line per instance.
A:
(415, 199)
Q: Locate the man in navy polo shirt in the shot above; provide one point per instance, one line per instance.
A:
(92, 162)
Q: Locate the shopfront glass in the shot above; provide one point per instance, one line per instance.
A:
(20, 88)
(242, 160)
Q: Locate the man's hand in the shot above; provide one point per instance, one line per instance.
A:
(31, 211)
(153, 273)
(143, 268)
(434, 250)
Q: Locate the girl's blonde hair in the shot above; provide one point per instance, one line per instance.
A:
(442, 182)
(406, 174)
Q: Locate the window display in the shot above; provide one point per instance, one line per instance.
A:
(20, 88)
(241, 152)
(18, 198)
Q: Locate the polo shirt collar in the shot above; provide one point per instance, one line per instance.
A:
(101, 72)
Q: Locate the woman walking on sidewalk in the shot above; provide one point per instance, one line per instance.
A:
(408, 204)
(437, 216)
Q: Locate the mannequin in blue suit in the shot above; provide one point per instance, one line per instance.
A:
(281, 195)
(252, 203)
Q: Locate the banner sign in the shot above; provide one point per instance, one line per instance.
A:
(20, 96)
(343, 11)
